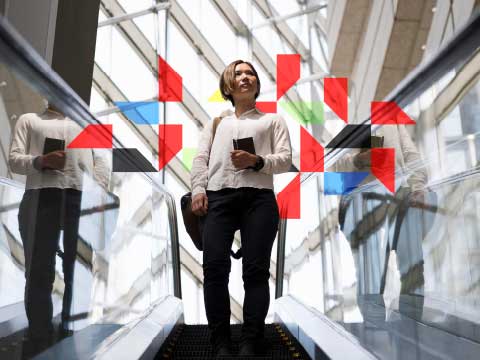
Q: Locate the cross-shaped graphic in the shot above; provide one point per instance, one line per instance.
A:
(311, 151)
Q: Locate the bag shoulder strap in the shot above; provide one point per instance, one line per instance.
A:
(216, 122)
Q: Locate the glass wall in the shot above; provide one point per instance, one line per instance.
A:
(79, 246)
(378, 261)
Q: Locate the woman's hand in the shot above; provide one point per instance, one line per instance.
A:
(417, 198)
(362, 159)
(200, 204)
(242, 159)
(54, 160)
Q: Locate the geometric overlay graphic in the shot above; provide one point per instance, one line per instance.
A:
(383, 166)
(188, 155)
(216, 97)
(342, 183)
(141, 112)
(169, 143)
(305, 112)
(388, 113)
(130, 160)
(267, 106)
(336, 96)
(170, 87)
(93, 137)
(288, 72)
(352, 137)
(288, 200)
(311, 152)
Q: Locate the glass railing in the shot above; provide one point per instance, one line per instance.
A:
(380, 262)
(81, 245)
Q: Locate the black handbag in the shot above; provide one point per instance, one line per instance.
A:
(194, 227)
(191, 221)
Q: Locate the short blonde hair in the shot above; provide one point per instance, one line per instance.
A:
(227, 80)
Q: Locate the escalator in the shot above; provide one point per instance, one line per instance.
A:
(191, 342)
(129, 305)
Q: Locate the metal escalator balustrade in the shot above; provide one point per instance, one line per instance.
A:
(397, 273)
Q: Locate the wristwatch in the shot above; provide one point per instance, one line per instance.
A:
(258, 164)
(36, 163)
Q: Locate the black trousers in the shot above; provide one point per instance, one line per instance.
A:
(43, 213)
(255, 213)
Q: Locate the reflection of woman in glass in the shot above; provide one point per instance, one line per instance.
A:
(233, 189)
(50, 205)
(403, 219)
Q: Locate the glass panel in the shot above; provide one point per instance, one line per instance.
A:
(408, 254)
(76, 248)
(114, 56)
(213, 27)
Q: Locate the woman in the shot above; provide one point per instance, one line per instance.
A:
(233, 189)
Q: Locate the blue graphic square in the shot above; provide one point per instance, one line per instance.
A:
(140, 112)
(342, 183)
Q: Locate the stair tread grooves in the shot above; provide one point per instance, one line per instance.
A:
(192, 342)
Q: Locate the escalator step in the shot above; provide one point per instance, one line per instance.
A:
(192, 342)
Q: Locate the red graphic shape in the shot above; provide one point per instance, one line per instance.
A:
(288, 72)
(267, 106)
(288, 200)
(389, 113)
(383, 166)
(169, 83)
(336, 96)
(169, 143)
(93, 137)
(311, 152)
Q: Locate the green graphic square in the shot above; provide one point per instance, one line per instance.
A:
(305, 112)
(187, 157)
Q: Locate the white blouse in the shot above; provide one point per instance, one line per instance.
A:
(27, 143)
(212, 166)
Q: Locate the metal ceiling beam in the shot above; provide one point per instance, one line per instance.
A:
(130, 16)
(281, 18)
(287, 33)
(190, 31)
(144, 49)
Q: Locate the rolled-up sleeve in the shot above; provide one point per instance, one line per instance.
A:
(20, 161)
(199, 172)
(413, 161)
(280, 160)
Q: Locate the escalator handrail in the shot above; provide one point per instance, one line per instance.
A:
(22, 58)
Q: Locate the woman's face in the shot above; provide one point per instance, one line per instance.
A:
(245, 83)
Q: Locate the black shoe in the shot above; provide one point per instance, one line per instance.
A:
(247, 349)
(223, 351)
